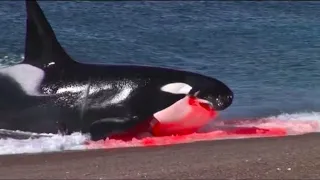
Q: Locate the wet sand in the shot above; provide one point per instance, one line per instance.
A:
(296, 157)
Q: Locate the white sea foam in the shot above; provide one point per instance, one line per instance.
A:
(52, 143)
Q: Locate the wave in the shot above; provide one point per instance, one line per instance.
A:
(9, 59)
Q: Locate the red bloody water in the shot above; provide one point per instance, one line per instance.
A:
(184, 117)
(192, 115)
(239, 132)
(185, 129)
(280, 128)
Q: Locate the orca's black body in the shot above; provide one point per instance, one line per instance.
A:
(49, 92)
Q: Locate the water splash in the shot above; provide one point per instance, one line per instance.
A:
(52, 143)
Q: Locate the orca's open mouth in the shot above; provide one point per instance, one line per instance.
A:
(206, 105)
(202, 103)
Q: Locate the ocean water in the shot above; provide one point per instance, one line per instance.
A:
(267, 52)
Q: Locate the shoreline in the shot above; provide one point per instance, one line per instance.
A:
(292, 157)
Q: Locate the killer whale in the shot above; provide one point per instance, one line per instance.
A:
(49, 92)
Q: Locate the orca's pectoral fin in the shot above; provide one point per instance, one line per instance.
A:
(103, 128)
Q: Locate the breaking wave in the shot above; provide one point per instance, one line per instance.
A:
(293, 124)
(8, 59)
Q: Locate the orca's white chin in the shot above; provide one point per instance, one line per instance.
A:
(183, 117)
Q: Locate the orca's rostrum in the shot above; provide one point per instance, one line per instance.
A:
(49, 92)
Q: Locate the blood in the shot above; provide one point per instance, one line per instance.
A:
(197, 115)
(133, 132)
(240, 132)
(234, 133)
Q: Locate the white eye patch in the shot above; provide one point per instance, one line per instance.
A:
(176, 88)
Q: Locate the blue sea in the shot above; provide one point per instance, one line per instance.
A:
(268, 53)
